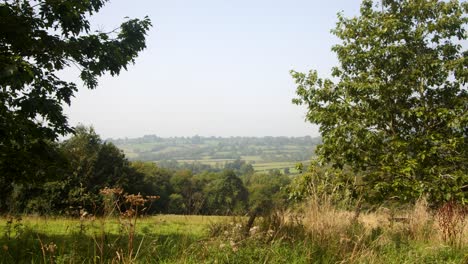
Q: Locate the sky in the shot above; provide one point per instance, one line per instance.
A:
(212, 68)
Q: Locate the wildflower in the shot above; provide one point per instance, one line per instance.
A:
(83, 213)
(153, 197)
(270, 232)
(51, 247)
(129, 213)
(234, 246)
(135, 199)
(108, 191)
(253, 230)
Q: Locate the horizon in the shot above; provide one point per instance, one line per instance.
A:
(207, 137)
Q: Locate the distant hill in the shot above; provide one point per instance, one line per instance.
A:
(218, 150)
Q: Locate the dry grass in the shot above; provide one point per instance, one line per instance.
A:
(316, 233)
(322, 218)
(360, 238)
(419, 222)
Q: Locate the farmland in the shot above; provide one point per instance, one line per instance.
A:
(266, 153)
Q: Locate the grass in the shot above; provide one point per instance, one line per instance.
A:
(66, 240)
(317, 233)
(194, 225)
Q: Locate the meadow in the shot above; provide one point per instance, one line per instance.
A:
(316, 232)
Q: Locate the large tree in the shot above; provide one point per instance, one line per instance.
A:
(93, 166)
(226, 194)
(37, 40)
(395, 109)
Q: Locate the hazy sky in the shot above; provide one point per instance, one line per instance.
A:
(212, 68)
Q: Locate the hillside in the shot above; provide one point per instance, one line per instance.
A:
(263, 152)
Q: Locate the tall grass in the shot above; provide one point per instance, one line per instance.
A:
(317, 232)
(320, 233)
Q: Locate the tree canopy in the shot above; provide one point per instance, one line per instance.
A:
(37, 40)
(395, 109)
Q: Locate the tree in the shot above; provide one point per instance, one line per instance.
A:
(156, 182)
(37, 40)
(35, 196)
(93, 166)
(396, 108)
(265, 191)
(84, 165)
(265, 195)
(187, 186)
(226, 194)
(239, 166)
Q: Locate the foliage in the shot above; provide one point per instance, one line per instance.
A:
(326, 184)
(37, 40)
(89, 164)
(156, 181)
(396, 108)
(266, 191)
(227, 194)
(84, 164)
(95, 165)
(52, 165)
(241, 166)
(188, 187)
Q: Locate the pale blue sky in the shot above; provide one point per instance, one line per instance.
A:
(213, 68)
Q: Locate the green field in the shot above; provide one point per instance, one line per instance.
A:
(264, 153)
(101, 240)
(262, 167)
(194, 225)
(257, 164)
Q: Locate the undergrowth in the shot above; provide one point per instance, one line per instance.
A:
(317, 233)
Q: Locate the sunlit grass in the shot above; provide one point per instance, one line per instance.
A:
(320, 234)
(193, 225)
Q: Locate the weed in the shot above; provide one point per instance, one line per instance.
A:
(134, 207)
(48, 251)
(320, 233)
(14, 227)
(451, 218)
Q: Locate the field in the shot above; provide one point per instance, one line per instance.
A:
(266, 153)
(257, 164)
(266, 166)
(91, 240)
(319, 234)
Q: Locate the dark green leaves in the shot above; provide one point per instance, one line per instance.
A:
(39, 39)
(398, 112)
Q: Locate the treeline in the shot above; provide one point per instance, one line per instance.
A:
(266, 149)
(80, 167)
